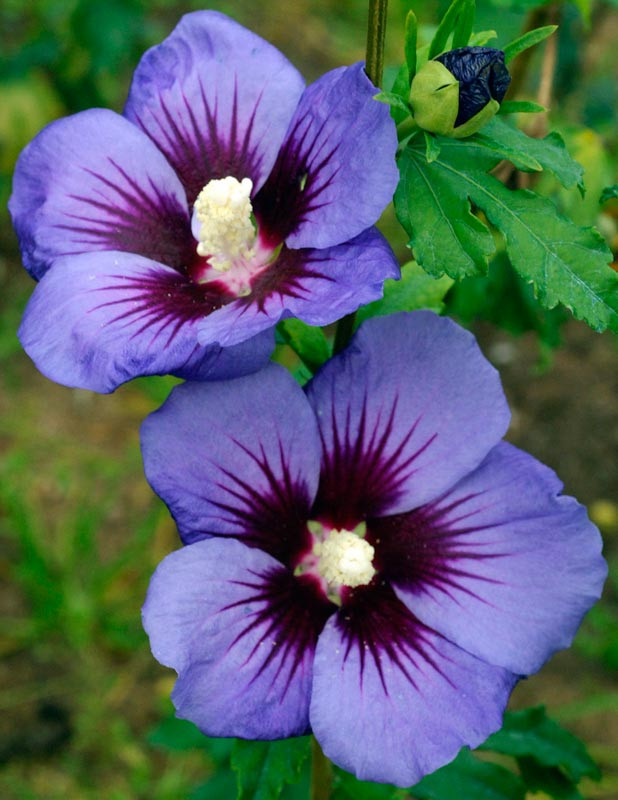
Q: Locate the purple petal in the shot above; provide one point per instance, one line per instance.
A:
(392, 700)
(336, 171)
(317, 286)
(216, 99)
(93, 182)
(501, 564)
(237, 458)
(97, 320)
(406, 411)
(241, 631)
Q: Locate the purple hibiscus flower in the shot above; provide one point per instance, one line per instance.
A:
(365, 559)
(227, 196)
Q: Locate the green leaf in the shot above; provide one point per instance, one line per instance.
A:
(446, 27)
(411, 36)
(467, 777)
(532, 733)
(609, 193)
(176, 734)
(263, 768)
(432, 147)
(549, 780)
(416, 289)
(392, 99)
(401, 87)
(465, 23)
(347, 787)
(445, 236)
(530, 154)
(309, 343)
(566, 264)
(520, 107)
(528, 39)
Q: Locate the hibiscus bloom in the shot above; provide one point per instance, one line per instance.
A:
(226, 197)
(364, 559)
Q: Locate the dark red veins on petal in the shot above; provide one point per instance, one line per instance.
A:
(159, 303)
(290, 275)
(292, 612)
(202, 149)
(375, 623)
(432, 546)
(274, 520)
(124, 216)
(365, 466)
(294, 188)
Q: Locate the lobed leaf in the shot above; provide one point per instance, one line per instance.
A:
(532, 733)
(467, 777)
(263, 768)
(530, 154)
(565, 264)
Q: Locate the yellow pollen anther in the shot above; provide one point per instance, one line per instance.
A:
(345, 559)
(223, 212)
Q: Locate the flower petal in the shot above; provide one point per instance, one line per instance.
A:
(336, 171)
(216, 99)
(241, 632)
(317, 286)
(405, 411)
(501, 564)
(94, 182)
(392, 700)
(237, 458)
(97, 320)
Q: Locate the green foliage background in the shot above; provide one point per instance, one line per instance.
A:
(85, 709)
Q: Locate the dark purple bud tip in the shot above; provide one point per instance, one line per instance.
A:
(482, 76)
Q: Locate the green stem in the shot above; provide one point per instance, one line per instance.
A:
(374, 66)
(321, 773)
(376, 33)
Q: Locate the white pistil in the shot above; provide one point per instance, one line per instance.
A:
(345, 559)
(222, 222)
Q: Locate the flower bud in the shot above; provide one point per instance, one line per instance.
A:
(459, 91)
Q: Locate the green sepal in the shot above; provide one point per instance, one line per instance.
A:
(434, 97)
(476, 122)
(528, 39)
(520, 107)
(410, 42)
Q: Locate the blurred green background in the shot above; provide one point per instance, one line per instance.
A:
(84, 708)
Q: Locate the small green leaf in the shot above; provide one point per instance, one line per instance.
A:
(549, 780)
(309, 343)
(401, 87)
(609, 193)
(432, 147)
(532, 733)
(410, 43)
(467, 777)
(263, 768)
(520, 107)
(392, 99)
(528, 39)
(416, 289)
(446, 27)
(465, 23)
